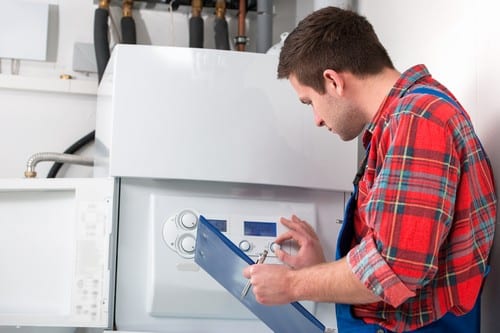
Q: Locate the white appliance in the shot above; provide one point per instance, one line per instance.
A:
(184, 132)
(56, 237)
(193, 131)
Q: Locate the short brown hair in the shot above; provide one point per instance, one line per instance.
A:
(331, 38)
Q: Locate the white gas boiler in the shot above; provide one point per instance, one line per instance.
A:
(180, 133)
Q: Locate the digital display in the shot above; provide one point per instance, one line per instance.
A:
(221, 225)
(254, 228)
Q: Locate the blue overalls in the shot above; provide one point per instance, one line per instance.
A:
(468, 323)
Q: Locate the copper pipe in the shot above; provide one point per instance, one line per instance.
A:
(241, 39)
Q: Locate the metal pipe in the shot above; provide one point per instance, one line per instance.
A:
(54, 157)
(241, 40)
(264, 39)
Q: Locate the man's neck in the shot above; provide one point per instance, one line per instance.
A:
(370, 92)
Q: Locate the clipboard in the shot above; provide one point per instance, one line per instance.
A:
(224, 261)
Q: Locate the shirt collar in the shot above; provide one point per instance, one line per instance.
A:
(405, 81)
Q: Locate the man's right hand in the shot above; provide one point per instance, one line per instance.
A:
(310, 251)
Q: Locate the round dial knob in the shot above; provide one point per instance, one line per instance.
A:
(273, 247)
(187, 244)
(244, 246)
(188, 219)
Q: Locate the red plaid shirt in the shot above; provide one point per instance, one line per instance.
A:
(426, 209)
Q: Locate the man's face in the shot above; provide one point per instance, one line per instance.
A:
(335, 113)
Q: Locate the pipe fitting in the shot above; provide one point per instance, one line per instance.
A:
(104, 4)
(127, 6)
(220, 8)
(54, 157)
(196, 8)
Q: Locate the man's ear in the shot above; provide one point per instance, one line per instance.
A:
(334, 82)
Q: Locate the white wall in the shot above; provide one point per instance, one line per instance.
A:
(50, 120)
(458, 41)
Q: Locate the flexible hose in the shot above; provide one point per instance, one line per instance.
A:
(58, 157)
(71, 150)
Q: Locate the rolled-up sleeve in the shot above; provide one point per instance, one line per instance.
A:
(374, 272)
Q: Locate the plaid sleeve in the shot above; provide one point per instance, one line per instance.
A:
(409, 207)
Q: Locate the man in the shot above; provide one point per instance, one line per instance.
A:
(414, 245)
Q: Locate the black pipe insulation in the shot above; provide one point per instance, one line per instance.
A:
(127, 23)
(101, 41)
(220, 26)
(196, 24)
(221, 34)
(71, 150)
(129, 35)
(196, 31)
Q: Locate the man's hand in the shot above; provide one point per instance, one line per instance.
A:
(310, 250)
(270, 283)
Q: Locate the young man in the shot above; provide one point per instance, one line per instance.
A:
(413, 250)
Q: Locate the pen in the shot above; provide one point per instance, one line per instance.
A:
(260, 260)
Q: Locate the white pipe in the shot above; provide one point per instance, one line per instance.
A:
(264, 25)
(344, 4)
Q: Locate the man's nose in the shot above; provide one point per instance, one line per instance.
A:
(318, 121)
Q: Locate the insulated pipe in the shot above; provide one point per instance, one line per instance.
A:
(101, 42)
(196, 24)
(220, 26)
(241, 40)
(264, 25)
(55, 157)
(129, 35)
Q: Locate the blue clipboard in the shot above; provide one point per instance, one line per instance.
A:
(224, 261)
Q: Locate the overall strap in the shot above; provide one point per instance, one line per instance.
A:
(437, 93)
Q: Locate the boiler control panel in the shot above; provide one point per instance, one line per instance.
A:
(251, 224)
(252, 234)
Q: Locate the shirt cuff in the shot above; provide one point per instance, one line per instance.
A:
(373, 271)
